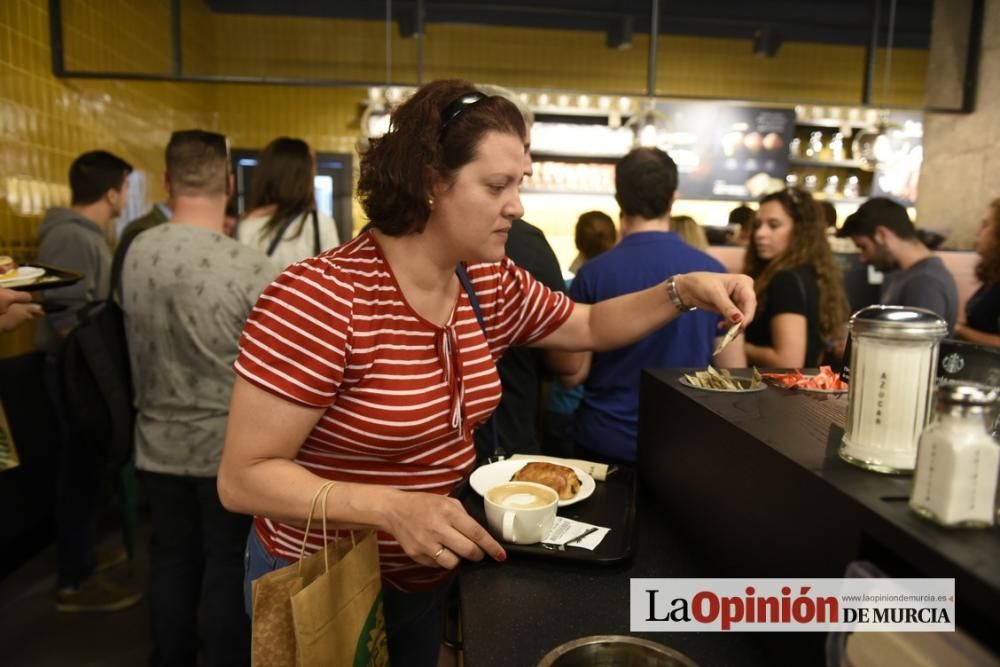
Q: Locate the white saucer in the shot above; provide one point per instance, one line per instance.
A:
(486, 477)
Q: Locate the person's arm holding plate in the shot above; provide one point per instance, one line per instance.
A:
(16, 308)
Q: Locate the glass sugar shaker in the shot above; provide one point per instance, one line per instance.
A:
(893, 363)
(955, 483)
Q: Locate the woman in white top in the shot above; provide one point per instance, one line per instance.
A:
(282, 219)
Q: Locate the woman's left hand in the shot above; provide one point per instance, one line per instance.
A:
(729, 294)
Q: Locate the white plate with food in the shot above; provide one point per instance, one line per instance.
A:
(711, 379)
(744, 389)
(23, 275)
(486, 477)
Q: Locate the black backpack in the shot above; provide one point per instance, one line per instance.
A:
(97, 383)
(97, 380)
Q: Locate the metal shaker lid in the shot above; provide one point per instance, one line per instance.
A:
(898, 322)
(954, 393)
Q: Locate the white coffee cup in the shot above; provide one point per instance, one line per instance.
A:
(521, 512)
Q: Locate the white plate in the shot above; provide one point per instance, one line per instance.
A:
(684, 381)
(24, 276)
(486, 477)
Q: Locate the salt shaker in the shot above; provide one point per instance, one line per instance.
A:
(955, 482)
(893, 362)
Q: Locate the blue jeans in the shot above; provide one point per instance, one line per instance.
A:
(413, 620)
(195, 552)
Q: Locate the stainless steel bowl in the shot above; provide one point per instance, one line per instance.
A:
(614, 651)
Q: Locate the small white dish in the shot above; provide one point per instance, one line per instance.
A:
(684, 381)
(486, 477)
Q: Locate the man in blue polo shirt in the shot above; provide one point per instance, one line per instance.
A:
(649, 253)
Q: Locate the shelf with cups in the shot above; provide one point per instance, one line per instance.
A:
(819, 162)
(562, 174)
(564, 191)
(834, 123)
(819, 196)
(830, 180)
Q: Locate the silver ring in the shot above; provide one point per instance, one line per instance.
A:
(437, 554)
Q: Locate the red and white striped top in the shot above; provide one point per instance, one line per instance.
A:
(402, 395)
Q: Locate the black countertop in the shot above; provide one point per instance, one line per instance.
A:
(744, 486)
(513, 613)
(775, 499)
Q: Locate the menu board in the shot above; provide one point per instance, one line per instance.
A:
(728, 151)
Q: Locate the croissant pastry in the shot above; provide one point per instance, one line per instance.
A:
(559, 478)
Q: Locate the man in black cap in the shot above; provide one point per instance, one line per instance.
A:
(888, 241)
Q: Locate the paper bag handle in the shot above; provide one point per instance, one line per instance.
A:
(323, 492)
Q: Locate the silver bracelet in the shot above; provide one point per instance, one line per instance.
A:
(675, 297)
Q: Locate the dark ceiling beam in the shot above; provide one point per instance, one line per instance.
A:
(817, 21)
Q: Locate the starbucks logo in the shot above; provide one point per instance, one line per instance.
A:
(953, 363)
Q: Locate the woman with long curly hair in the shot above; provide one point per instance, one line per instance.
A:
(982, 312)
(799, 288)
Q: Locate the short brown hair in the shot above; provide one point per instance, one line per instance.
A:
(595, 233)
(645, 183)
(399, 169)
(92, 174)
(197, 163)
(879, 212)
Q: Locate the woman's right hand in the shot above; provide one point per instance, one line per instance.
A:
(428, 525)
(728, 294)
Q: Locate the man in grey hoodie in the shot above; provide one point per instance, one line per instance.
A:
(75, 238)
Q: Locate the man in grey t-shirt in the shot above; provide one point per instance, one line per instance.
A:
(187, 289)
(888, 241)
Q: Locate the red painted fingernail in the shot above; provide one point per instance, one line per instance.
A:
(501, 556)
(736, 317)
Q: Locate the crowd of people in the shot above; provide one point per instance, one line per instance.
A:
(269, 356)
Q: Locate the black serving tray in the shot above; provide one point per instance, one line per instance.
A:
(54, 277)
(612, 505)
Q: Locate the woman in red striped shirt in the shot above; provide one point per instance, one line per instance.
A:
(367, 365)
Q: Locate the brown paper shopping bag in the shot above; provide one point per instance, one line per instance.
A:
(324, 610)
(338, 617)
(8, 452)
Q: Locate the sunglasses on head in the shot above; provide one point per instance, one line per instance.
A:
(455, 108)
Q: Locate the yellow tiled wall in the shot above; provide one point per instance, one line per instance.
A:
(45, 122)
(546, 58)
